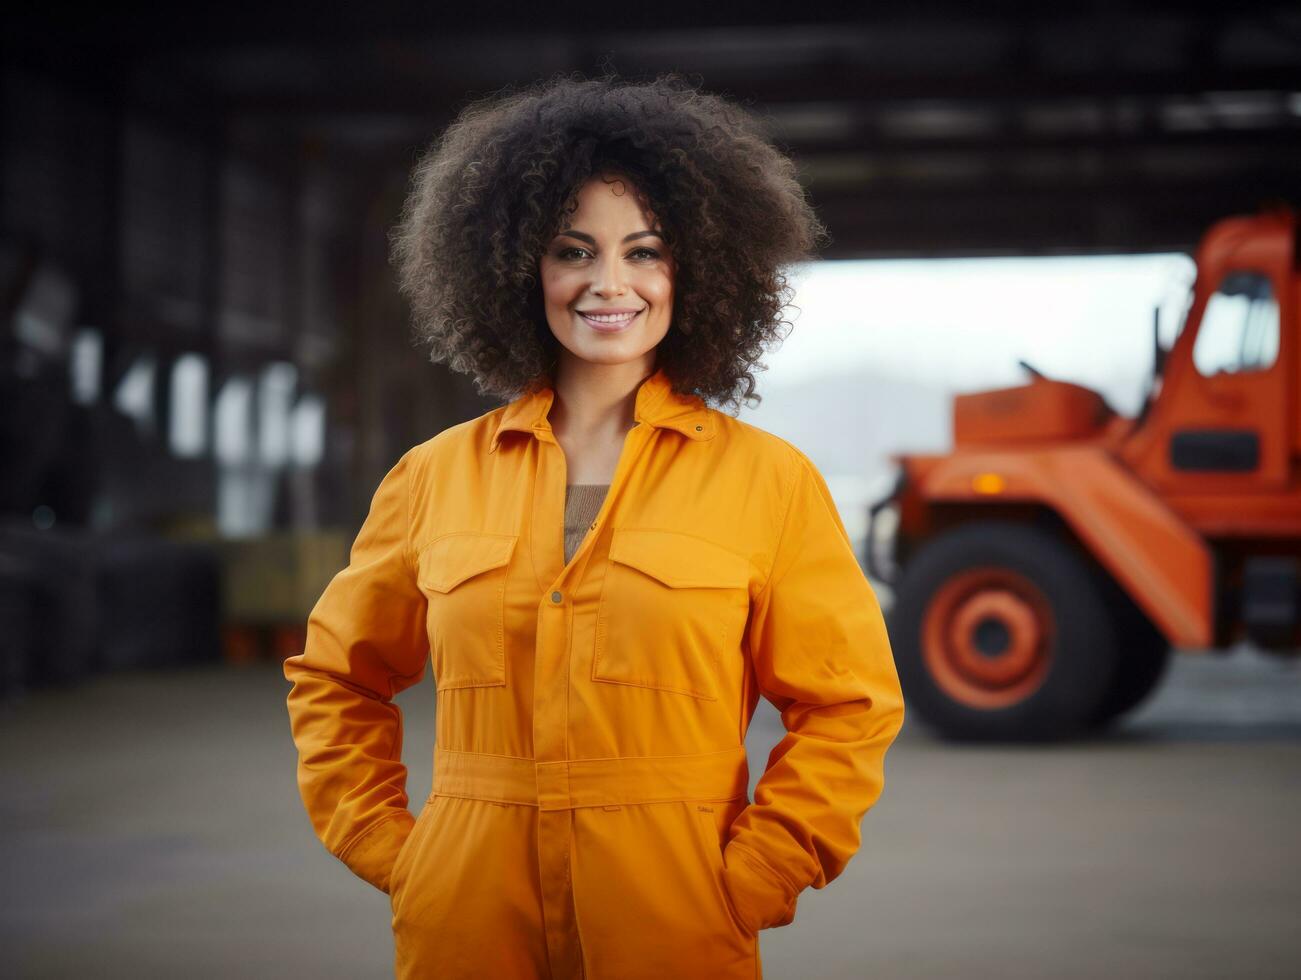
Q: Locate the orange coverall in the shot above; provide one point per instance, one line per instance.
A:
(590, 813)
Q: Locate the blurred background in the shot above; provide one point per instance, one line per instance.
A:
(1062, 294)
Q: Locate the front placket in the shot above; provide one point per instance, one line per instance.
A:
(551, 685)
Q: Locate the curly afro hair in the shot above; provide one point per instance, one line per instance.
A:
(488, 197)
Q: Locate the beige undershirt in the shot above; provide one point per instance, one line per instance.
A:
(582, 504)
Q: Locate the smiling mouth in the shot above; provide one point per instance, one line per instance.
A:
(608, 322)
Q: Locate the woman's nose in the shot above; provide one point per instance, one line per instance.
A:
(607, 279)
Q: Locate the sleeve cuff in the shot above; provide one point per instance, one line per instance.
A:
(371, 856)
(762, 898)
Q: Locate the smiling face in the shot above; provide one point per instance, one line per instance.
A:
(607, 278)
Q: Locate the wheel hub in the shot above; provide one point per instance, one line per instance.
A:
(987, 637)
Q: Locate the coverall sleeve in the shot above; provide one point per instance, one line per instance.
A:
(822, 656)
(366, 641)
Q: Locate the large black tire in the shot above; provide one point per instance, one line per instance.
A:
(1080, 658)
(1143, 655)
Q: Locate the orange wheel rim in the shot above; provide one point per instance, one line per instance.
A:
(987, 637)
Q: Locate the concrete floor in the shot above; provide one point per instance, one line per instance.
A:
(152, 827)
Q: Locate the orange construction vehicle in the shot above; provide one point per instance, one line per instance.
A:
(1043, 570)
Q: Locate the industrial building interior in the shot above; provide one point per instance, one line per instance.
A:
(207, 367)
(191, 195)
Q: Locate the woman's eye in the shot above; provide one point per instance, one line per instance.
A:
(574, 252)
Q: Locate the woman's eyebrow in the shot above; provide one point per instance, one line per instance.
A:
(585, 237)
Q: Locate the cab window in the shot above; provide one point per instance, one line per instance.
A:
(1240, 327)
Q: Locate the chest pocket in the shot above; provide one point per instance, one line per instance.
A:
(463, 576)
(671, 604)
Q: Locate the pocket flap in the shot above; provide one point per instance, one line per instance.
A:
(448, 561)
(680, 561)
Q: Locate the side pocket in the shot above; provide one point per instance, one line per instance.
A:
(706, 819)
(401, 864)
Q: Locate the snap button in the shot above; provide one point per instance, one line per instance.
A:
(700, 428)
(556, 597)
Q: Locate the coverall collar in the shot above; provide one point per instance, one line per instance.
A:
(657, 405)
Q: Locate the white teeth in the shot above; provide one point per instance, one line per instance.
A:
(609, 317)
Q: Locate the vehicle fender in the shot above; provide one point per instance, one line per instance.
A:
(1164, 565)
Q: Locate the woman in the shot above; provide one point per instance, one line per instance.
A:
(606, 572)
